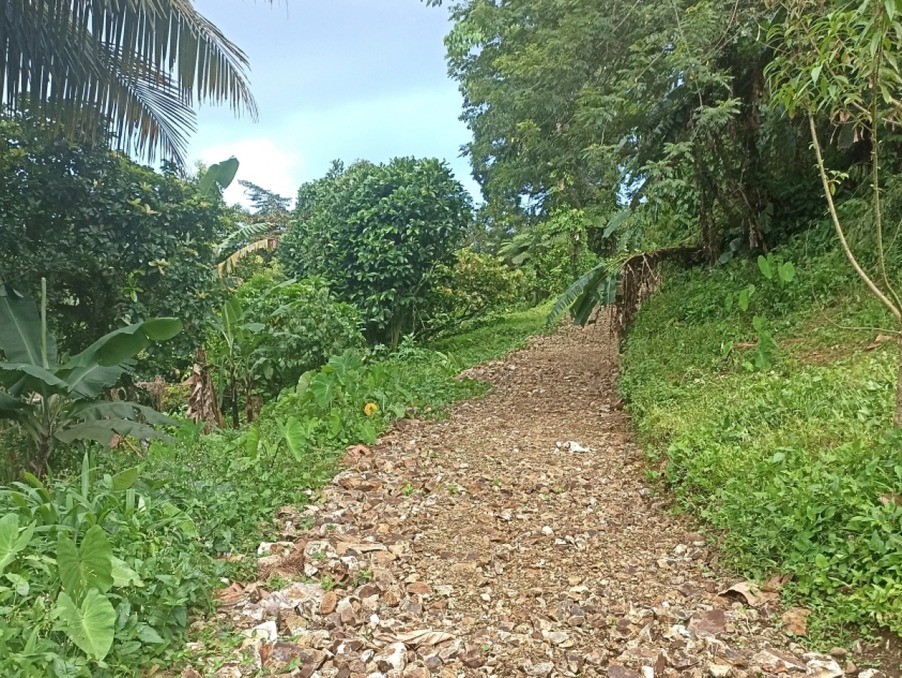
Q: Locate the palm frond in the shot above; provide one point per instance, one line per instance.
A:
(597, 286)
(134, 67)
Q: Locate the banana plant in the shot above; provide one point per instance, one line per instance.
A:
(60, 402)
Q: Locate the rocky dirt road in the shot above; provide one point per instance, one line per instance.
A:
(515, 538)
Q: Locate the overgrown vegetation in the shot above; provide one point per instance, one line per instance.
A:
(147, 542)
(610, 139)
(768, 406)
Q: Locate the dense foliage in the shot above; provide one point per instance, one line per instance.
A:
(102, 570)
(475, 284)
(117, 242)
(375, 234)
(551, 253)
(57, 401)
(774, 425)
(290, 327)
(660, 106)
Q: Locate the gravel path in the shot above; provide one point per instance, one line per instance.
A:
(516, 537)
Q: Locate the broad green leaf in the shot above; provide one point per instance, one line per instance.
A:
(616, 221)
(218, 177)
(322, 386)
(20, 583)
(147, 634)
(20, 330)
(295, 437)
(745, 297)
(576, 291)
(125, 479)
(87, 567)
(304, 381)
(252, 441)
(28, 378)
(91, 626)
(787, 272)
(121, 409)
(232, 312)
(104, 430)
(125, 342)
(12, 540)
(161, 329)
(90, 380)
(9, 406)
(764, 265)
(123, 575)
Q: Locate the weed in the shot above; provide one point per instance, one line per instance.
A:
(794, 462)
(362, 577)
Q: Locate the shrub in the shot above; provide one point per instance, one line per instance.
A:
(300, 326)
(475, 284)
(375, 233)
(95, 548)
(552, 254)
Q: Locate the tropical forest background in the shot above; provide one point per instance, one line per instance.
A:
(720, 181)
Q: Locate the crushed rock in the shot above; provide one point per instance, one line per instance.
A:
(483, 546)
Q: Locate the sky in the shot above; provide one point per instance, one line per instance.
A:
(334, 79)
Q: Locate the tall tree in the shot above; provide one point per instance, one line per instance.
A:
(595, 104)
(133, 68)
(375, 234)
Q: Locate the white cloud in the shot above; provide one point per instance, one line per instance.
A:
(280, 153)
(261, 161)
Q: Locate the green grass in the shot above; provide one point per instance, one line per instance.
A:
(493, 336)
(792, 462)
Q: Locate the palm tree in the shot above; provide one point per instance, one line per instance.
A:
(129, 70)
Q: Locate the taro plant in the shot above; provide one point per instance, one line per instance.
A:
(61, 402)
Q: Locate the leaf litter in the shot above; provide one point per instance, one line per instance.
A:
(482, 545)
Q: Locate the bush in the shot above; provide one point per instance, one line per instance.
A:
(375, 233)
(477, 283)
(302, 326)
(96, 546)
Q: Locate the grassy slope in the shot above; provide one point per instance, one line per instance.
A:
(794, 465)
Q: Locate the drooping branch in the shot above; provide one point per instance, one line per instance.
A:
(840, 233)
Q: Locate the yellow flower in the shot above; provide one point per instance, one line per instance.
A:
(370, 409)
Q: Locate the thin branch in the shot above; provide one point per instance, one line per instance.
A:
(897, 313)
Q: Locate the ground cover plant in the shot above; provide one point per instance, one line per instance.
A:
(771, 419)
(101, 568)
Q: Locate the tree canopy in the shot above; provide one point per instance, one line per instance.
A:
(375, 233)
(604, 104)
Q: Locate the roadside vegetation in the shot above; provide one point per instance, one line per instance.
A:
(770, 416)
(725, 177)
